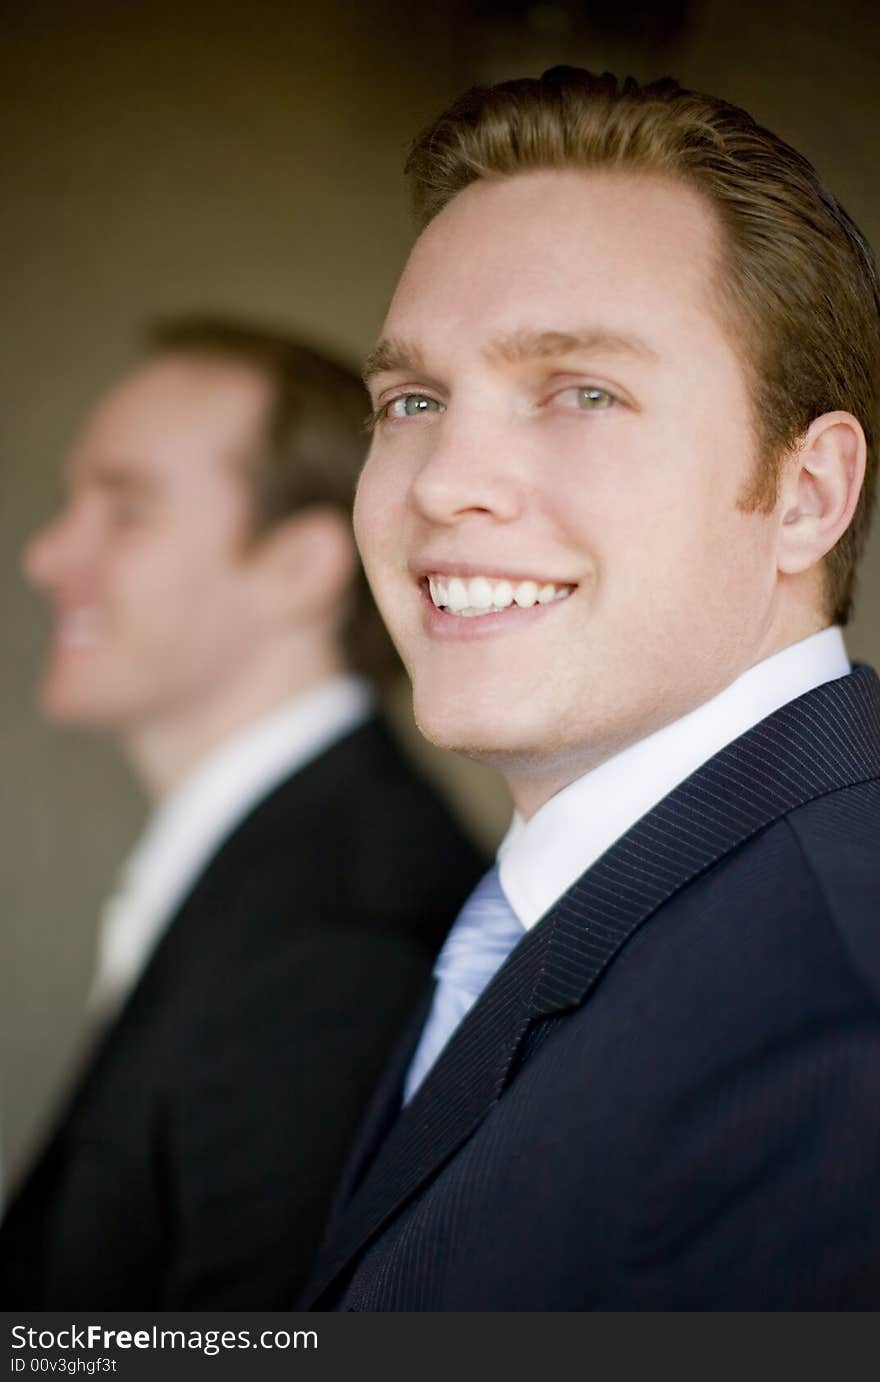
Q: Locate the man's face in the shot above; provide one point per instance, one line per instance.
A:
(563, 430)
(152, 598)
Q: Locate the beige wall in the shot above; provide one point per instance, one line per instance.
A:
(246, 157)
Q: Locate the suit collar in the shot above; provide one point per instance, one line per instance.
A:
(816, 744)
(823, 741)
(541, 858)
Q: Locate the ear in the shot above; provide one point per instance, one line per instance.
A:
(307, 564)
(819, 490)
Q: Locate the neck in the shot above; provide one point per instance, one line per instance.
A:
(163, 752)
(532, 782)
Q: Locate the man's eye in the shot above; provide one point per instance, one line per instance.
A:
(410, 405)
(587, 398)
(125, 513)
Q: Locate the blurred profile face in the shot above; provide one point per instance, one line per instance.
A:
(151, 593)
(549, 514)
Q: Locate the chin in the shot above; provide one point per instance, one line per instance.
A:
(447, 727)
(487, 732)
(67, 714)
(65, 706)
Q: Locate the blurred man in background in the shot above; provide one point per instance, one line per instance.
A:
(278, 918)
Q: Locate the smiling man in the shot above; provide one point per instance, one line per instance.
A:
(625, 412)
(280, 914)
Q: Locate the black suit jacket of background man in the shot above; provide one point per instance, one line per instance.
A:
(195, 1163)
(669, 1096)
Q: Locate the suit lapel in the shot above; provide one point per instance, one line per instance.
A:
(384, 1107)
(825, 740)
(451, 1102)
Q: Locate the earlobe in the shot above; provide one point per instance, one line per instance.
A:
(819, 491)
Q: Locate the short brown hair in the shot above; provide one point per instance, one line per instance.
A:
(312, 450)
(799, 284)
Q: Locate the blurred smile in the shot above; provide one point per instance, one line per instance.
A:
(77, 628)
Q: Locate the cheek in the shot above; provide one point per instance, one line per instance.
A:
(651, 558)
(376, 506)
(361, 515)
(185, 577)
(146, 582)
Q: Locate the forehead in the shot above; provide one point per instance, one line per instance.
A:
(174, 416)
(634, 254)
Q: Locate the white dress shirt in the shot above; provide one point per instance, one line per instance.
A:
(539, 859)
(191, 824)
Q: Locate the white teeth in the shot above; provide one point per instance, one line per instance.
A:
(457, 595)
(480, 591)
(475, 595)
(526, 594)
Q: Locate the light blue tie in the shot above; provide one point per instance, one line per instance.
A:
(484, 934)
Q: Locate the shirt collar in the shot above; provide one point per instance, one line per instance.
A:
(539, 859)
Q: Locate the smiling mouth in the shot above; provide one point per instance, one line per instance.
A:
(77, 628)
(469, 596)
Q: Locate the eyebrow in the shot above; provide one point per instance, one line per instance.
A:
(114, 479)
(521, 346)
(393, 355)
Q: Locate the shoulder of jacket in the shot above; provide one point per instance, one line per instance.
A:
(839, 839)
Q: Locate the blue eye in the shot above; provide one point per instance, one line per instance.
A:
(592, 400)
(410, 405)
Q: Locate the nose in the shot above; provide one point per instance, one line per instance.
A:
(470, 469)
(51, 553)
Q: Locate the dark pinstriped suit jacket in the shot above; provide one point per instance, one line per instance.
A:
(669, 1096)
